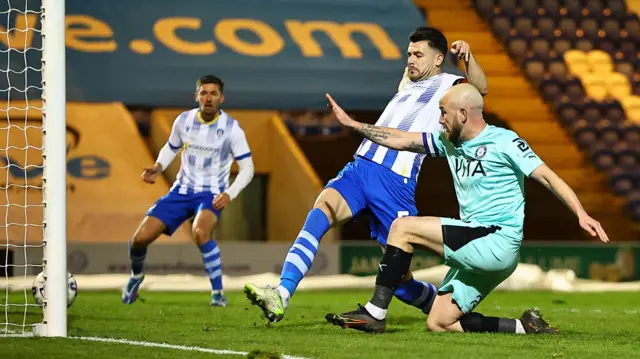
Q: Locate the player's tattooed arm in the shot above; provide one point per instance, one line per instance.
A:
(388, 137)
(392, 138)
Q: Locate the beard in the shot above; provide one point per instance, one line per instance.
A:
(455, 131)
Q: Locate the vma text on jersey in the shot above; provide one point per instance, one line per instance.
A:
(469, 168)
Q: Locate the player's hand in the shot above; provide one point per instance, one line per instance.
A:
(592, 226)
(339, 113)
(221, 201)
(150, 174)
(462, 49)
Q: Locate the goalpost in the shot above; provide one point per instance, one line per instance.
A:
(50, 25)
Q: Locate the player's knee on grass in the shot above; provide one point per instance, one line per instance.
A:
(445, 314)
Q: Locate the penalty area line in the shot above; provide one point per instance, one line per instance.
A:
(172, 346)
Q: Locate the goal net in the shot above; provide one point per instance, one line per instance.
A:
(32, 165)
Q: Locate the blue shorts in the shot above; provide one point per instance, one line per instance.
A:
(366, 185)
(175, 208)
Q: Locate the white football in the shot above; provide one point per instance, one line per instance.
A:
(38, 288)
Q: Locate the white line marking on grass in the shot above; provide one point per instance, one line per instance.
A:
(171, 346)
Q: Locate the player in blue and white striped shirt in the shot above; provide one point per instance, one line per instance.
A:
(380, 180)
(210, 141)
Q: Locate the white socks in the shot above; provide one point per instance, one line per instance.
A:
(375, 311)
(284, 295)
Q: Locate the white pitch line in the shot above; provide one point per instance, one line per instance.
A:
(171, 346)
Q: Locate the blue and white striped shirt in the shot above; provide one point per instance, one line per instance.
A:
(415, 109)
(208, 151)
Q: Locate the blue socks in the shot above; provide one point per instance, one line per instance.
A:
(137, 256)
(304, 249)
(212, 264)
(418, 294)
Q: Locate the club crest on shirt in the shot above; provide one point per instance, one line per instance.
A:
(481, 152)
(188, 128)
(220, 132)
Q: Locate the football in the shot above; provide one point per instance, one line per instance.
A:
(38, 289)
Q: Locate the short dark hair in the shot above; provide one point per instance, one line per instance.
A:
(432, 36)
(210, 79)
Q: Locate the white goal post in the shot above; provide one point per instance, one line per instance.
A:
(54, 144)
(22, 155)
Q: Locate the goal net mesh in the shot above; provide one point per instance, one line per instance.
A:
(21, 161)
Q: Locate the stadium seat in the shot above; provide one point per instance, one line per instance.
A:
(630, 132)
(574, 89)
(485, 8)
(529, 9)
(568, 112)
(626, 156)
(534, 69)
(631, 106)
(550, 88)
(551, 8)
(557, 68)
(589, 27)
(585, 45)
(576, 62)
(524, 27)
(561, 45)
(633, 203)
(611, 29)
(635, 85)
(602, 156)
(584, 134)
(501, 26)
(509, 7)
(569, 28)
(573, 9)
(621, 180)
(612, 110)
(594, 7)
(632, 27)
(546, 26)
(592, 111)
(617, 8)
(518, 48)
(628, 48)
(618, 85)
(607, 131)
(541, 48)
(599, 61)
(624, 67)
(594, 85)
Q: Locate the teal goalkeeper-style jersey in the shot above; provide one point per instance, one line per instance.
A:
(488, 173)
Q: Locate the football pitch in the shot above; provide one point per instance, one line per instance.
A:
(177, 325)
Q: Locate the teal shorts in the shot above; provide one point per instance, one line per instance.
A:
(480, 257)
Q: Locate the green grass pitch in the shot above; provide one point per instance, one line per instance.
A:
(593, 325)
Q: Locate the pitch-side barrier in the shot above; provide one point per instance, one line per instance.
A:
(525, 277)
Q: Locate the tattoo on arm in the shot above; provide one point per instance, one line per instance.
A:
(416, 147)
(372, 132)
(389, 137)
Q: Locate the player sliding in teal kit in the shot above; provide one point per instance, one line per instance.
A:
(482, 247)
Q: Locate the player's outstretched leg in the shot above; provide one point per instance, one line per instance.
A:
(203, 225)
(330, 209)
(273, 301)
(393, 267)
(148, 231)
(448, 316)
